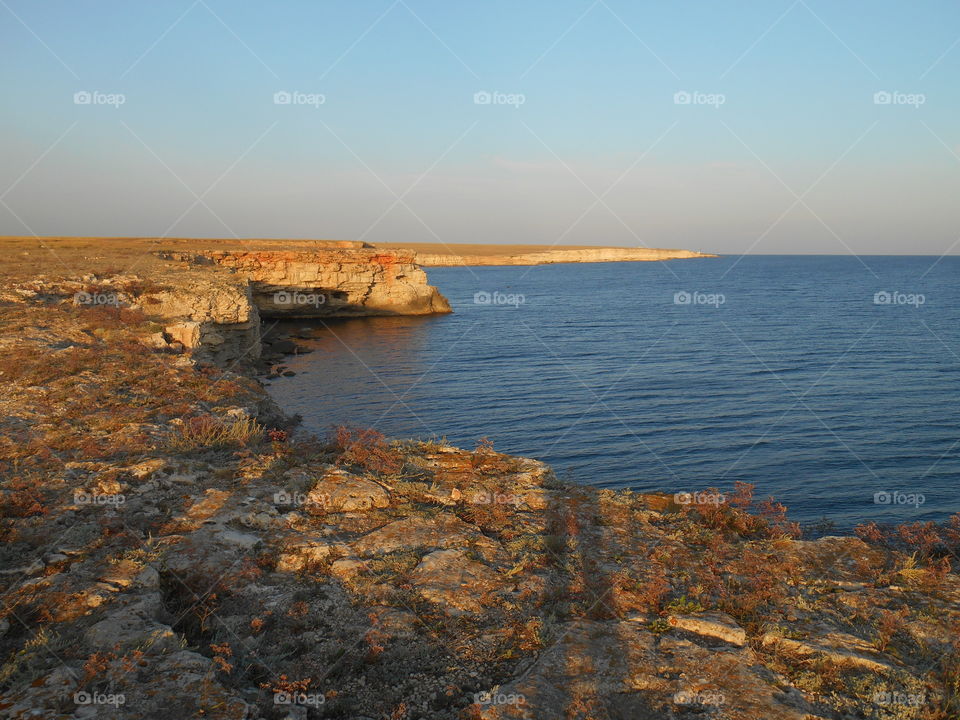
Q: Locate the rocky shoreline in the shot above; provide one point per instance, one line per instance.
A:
(547, 257)
(170, 541)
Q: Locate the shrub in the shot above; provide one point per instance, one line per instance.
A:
(207, 431)
(365, 448)
(888, 623)
(742, 516)
(931, 544)
(653, 588)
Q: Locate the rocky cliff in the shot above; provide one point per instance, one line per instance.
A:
(215, 299)
(580, 255)
(210, 314)
(329, 282)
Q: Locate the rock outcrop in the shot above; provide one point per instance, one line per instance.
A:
(209, 314)
(330, 282)
(215, 300)
(580, 255)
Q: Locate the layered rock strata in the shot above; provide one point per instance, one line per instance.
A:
(330, 282)
(216, 304)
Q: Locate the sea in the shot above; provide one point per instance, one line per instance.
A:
(830, 383)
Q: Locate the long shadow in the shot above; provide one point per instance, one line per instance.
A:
(591, 682)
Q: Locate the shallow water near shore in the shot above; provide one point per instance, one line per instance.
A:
(829, 382)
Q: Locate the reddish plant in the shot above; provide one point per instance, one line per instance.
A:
(97, 664)
(287, 686)
(888, 624)
(739, 514)
(869, 532)
(277, 436)
(932, 544)
(221, 653)
(22, 500)
(366, 448)
(653, 589)
(754, 581)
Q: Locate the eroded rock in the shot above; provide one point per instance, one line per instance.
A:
(442, 530)
(340, 491)
(717, 626)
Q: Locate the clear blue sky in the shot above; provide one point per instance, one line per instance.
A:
(398, 120)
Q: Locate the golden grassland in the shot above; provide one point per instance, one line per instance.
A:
(26, 256)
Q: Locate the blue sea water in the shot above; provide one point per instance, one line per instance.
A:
(829, 382)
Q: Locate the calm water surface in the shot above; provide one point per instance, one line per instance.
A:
(782, 371)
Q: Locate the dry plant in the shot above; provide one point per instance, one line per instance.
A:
(208, 432)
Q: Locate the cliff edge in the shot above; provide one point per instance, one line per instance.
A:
(327, 282)
(442, 258)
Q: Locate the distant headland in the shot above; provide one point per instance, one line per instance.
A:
(445, 255)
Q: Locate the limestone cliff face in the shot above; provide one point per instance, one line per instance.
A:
(331, 282)
(211, 314)
(219, 297)
(559, 256)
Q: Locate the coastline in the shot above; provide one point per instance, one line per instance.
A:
(440, 255)
(193, 530)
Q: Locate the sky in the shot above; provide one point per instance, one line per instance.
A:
(768, 126)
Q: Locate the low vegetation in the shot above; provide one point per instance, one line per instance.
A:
(168, 537)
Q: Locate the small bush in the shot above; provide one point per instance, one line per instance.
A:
(932, 545)
(742, 516)
(209, 432)
(365, 448)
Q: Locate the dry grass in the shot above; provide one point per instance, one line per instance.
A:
(205, 432)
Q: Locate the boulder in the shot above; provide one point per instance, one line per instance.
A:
(302, 554)
(129, 629)
(340, 491)
(717, 626)
(245, 541)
